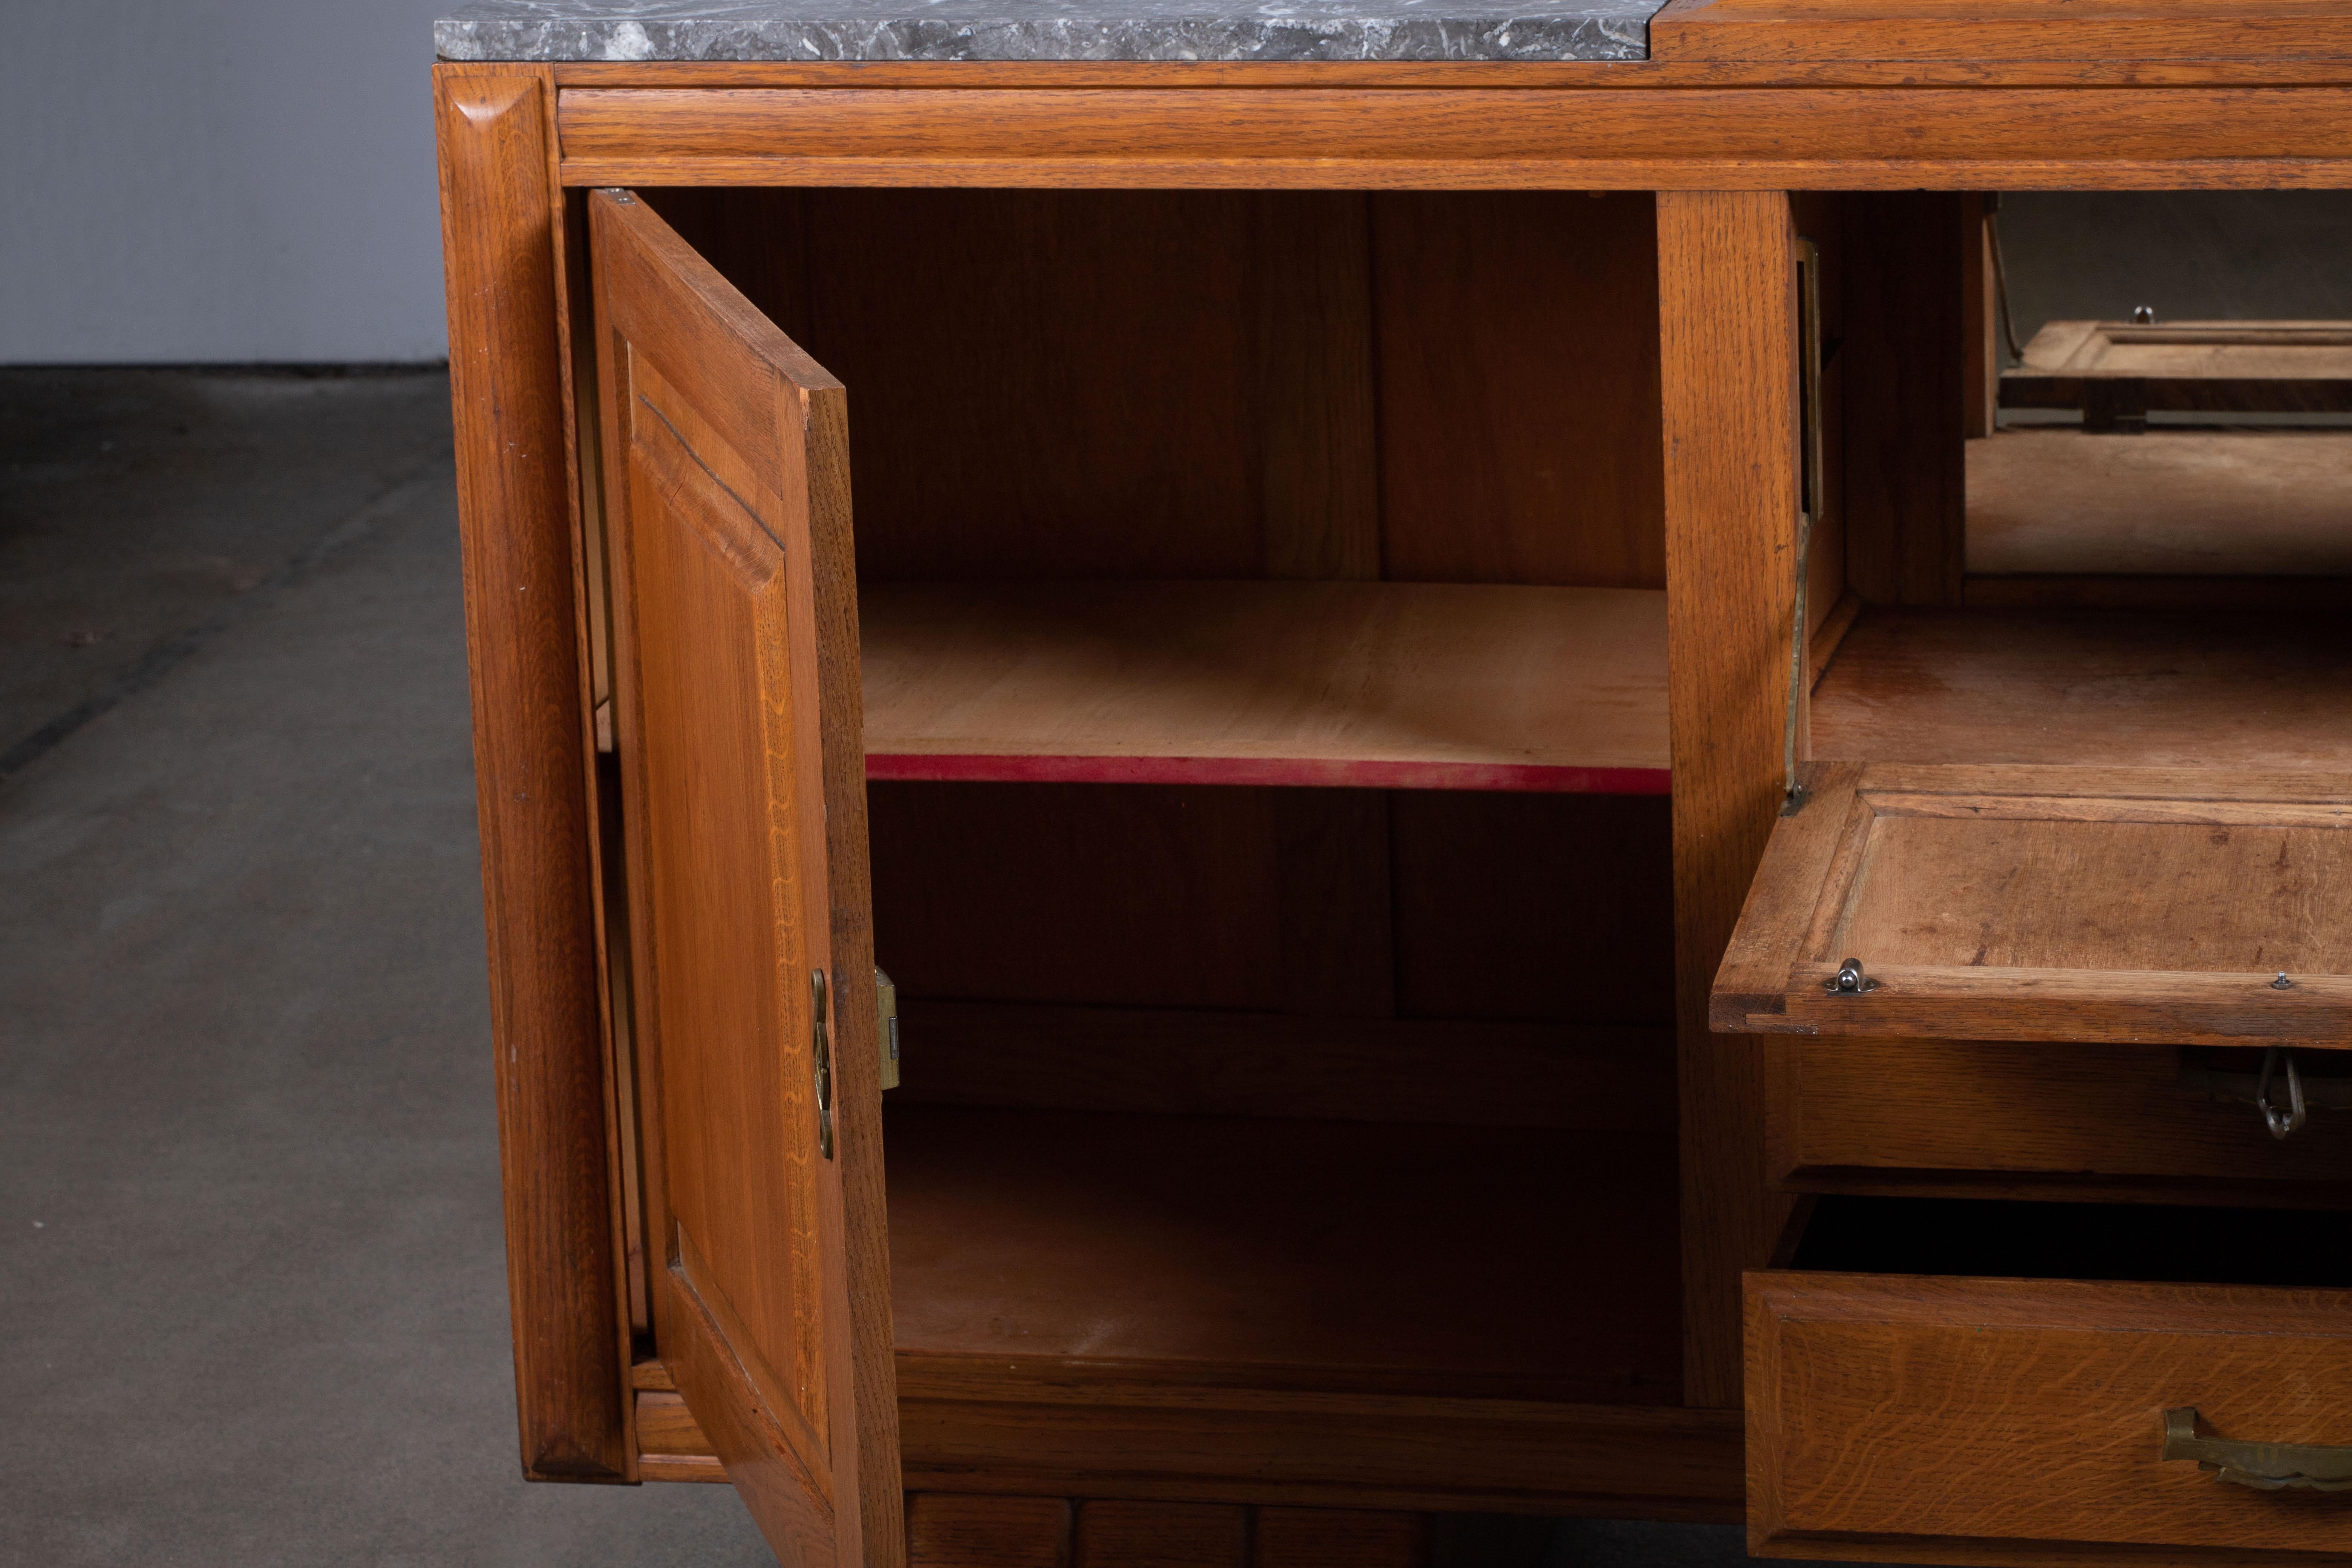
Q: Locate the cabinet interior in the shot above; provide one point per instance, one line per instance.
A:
(1264, 641)
(2129, 549)
(2023, 575)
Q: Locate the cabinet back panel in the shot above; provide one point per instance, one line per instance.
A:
(1427, 386)
(1518, 388)
(1357, 954)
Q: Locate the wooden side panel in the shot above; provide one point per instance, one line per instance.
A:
(737, 731)
(1941, 1420)
(947, 1530)
(530, 737)
(1162, 1535)
(1905, 423)
(1726, 315)
(1518, 388)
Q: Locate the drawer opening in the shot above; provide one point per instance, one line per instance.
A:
(2147, 1243)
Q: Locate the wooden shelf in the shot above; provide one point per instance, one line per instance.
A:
(2171, 502)
(1520, 1262)
(2230, 690)
(1371, 685)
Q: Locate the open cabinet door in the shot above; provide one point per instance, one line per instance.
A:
(2013, 902)
(737, 725)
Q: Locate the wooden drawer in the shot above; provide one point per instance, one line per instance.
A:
(2116, 1122)
(1955, 1418)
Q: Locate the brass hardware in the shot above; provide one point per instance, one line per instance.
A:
(1849, 980)
(886, 994)
(2266, 1467)
(820, 1050)
(2201, 1073)
(2282, 1126)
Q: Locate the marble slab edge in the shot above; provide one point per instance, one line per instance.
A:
(662, 30)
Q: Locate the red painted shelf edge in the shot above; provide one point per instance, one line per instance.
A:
(1527, 778)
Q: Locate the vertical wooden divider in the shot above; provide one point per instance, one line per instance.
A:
(1727, 337)
(499, 239)
(1905, 424)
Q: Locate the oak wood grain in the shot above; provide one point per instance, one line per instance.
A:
(563, 1274)
(2229, 689)
(2027, 903)
(1373, 138)
(736, 728)
(1321, 467)
(1519, 356)
(1728, 331)
(1879, 1114)
(2116, 373)
(1258, 1242)
(1903, 403)
(1415, 685)
(665, 1426)
(1337, 1538)
(1161, 1061)
(947, 1530)
(2102, 591)
(1113, 1534)
(1911, 1410)
(1350, 1462)
(1144, 1430)
(2175, 502)
(2271, 68)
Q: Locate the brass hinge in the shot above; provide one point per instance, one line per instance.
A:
(886, 994)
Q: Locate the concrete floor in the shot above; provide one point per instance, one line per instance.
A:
(249, 1230)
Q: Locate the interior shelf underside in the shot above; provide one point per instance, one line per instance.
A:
(1368, 685)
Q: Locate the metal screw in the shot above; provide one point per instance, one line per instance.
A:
(2281, 982)
(1849, 980)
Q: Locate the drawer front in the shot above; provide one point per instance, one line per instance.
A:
(1886, 1114)
(1959, 1420)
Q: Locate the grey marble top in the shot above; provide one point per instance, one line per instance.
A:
(1047, 30)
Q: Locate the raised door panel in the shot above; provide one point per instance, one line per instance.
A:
(2037, 903)
(737, 717)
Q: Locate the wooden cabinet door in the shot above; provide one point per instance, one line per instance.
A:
(2011, 902)
(725, 475)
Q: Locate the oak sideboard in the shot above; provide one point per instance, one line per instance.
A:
(1370, 612)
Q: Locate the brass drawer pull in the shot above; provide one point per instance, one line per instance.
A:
(2267, 1467)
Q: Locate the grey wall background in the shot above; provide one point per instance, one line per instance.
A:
(241, 181)
(196, 181)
